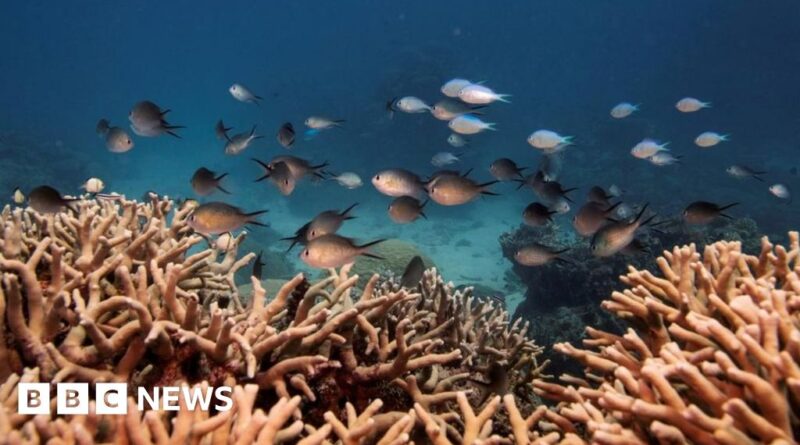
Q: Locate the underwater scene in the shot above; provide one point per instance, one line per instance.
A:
(526, 222)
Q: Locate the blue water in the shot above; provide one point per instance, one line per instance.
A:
(64, 65)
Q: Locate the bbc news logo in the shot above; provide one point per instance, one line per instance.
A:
(112, 398)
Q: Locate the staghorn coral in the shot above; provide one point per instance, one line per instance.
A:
(711, 355)
(124, 292)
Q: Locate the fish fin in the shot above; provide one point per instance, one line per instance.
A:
(723, 208)
(220, 176)
(223, 190)
(261, 163)
(641, 212)
(258, 97)
(565, 191)
(647, 221)
(422, 214)
(487, 193)
(173, 134)
(757, 178)
(256, 223)
(347, 210)
(262, 178)
(521, 183)
(612, 220)
(320, 166)
(466, 173)
(424, 203)
(256, 213)
(613, 206)
(370, 244)
(372, 255)
(725, 215)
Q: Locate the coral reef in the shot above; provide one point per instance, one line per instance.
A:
(710, 355)
(123, 292)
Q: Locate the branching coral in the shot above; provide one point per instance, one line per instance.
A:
(711, 356)
(115, 293)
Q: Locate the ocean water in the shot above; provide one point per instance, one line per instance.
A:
(64, 65)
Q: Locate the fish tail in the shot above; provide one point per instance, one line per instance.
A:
(725, 137)
(757, 178)
(372, 255)
(220, 176)
(173, 134)
(613, 206)
(424, 203)
(422, 214)
(256, 213)
(261, 163)
(490, 126)
(641, 212)
(723, 208)
(223, 190)
(487, 192)
(347, 210)
(338, 122)
(503, 98)
(521, 183)
(705, 104)
(257, 223)
(266, 175)
(370, 244)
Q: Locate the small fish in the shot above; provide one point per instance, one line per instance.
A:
(448, 109)
(537, 215)
(93, 185)
(780, 191)
(102, 127)
(456, 140)
(615, 236)
(222, 131)
(285, 135)
(648, 147)
(118, 140)
(413, 273)
(561, 206)
(298, 167)
(238, 143)
(453, 86)
(481, 95)
(456, 190)
(398, 182)
(328, 222)
(406, 209)
(300, 236)
(147, 119)
(636, 247)
(444, 158)
(504, 169)
(690, 105)
(18, 197)
(597, 195)
(46, 199)
(242, 94)
(257, 266)
(205, 181)
(280, 174)
(742, 172)
(334, 251)
(623, 110)
(548, 140)
(704, 212)
(537, 255)
(391, 106)
(664, 158)
(348, 180)
(535, 181)
(710, 139)
(322, 123)
(552, 191)
(591, 217)
(469, 124)
(214, 218)
(411, 104)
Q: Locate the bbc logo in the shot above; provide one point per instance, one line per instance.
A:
(72, 398)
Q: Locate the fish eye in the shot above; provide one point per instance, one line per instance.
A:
(377, 177)
(305, 252)
(286, 182)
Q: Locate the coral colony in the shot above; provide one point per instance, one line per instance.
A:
(124, 293)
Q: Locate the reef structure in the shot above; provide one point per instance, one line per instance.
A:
(125, 292)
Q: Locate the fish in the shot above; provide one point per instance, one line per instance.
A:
(222, 131)
(456, 190)
(439, 174)
(18, 197)
(615, 236)
(257, 265)
(535, 181)
(742, 172)
(781, 191)
(536, 254)
(591, 217)
(504, 169)
(298, 167)
(469, 124)
(548, 140)
(704, 212)
(205, 181)
(242, 94)
(690, 105)
(664, 158)
(623, 211)
(444, 158)
(597, 195)
(561, 206)
(481, 95)
(46, 199)
(300, 236)
(118, 140)
(635, 247)
(216, 217)
(102, 127)
(328, 222)
(93, 185)
(413, 273)
(280, 174)
(406, 209)
(147, 119)
(322, 123)
(413, 105)
(710, 139)
(623, 110)
(240, 142)
(550, 165)
(333, 250)
(391, 106)
(537, 215)
(453, 86)
(348, 180)
(398, 182)
(448, 109)
(552, 191)
(456, 140)
(648, 147)
(285, 135)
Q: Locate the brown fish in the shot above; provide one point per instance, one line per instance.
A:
(703, 212)
(406, 209)
(332, 250)
(505, 169)
(222, 131)
(328, 221)
(281, 176)
(46, 199)
(537, 255)
(285, 135)
(614, 237)
(298, 167)
(536, 215)
(204, 181)
(216, 217)
(457, 190)
(598, 195)
(591, 217)
(413, 273)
